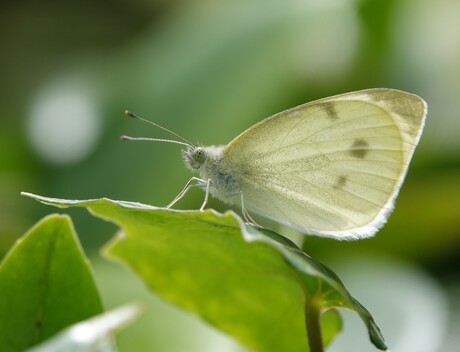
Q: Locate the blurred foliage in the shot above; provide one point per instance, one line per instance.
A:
(55, 290)
(208, 70)
(103, 327)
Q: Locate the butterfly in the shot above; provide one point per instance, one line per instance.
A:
(332, 167)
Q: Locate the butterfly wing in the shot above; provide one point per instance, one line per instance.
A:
(332, 167)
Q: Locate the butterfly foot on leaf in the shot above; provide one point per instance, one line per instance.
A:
(250, 221)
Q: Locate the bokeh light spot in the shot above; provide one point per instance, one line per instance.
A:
(63, 124)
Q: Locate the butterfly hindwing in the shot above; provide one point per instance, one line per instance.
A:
(331, 167)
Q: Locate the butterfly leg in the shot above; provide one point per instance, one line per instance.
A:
(206, 196)
(246, 214)
(188, 185)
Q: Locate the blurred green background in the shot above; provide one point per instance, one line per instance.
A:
(209, 70)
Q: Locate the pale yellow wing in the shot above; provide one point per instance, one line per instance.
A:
(332, 167)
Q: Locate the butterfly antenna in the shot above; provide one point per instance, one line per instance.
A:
(133, 115)
(128, 138)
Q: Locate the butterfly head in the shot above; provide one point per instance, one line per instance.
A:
(194, 157)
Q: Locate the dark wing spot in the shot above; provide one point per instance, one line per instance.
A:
(330, 110)
(341, 181)
(38, 323)
(359, 149)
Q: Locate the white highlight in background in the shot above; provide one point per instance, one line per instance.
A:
(63, 124)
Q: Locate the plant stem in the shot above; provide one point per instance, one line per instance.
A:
(312, 316)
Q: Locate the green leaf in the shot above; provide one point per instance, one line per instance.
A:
(45, 285)
(94, 334)
(257, 286)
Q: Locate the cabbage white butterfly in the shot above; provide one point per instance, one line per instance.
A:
(332, 167)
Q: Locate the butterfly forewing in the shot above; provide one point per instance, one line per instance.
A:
(331, 167)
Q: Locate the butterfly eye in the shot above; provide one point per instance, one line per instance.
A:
(199, 155)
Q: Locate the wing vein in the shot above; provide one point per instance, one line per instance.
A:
(284, 190)
(344, 122)
(339, 198)
(356, 182)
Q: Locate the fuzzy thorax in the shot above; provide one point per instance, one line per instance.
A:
(210, 164)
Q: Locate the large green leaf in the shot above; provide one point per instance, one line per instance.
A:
(45, 285)
(256, 286)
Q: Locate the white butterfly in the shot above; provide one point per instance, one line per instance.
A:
(332, 167)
